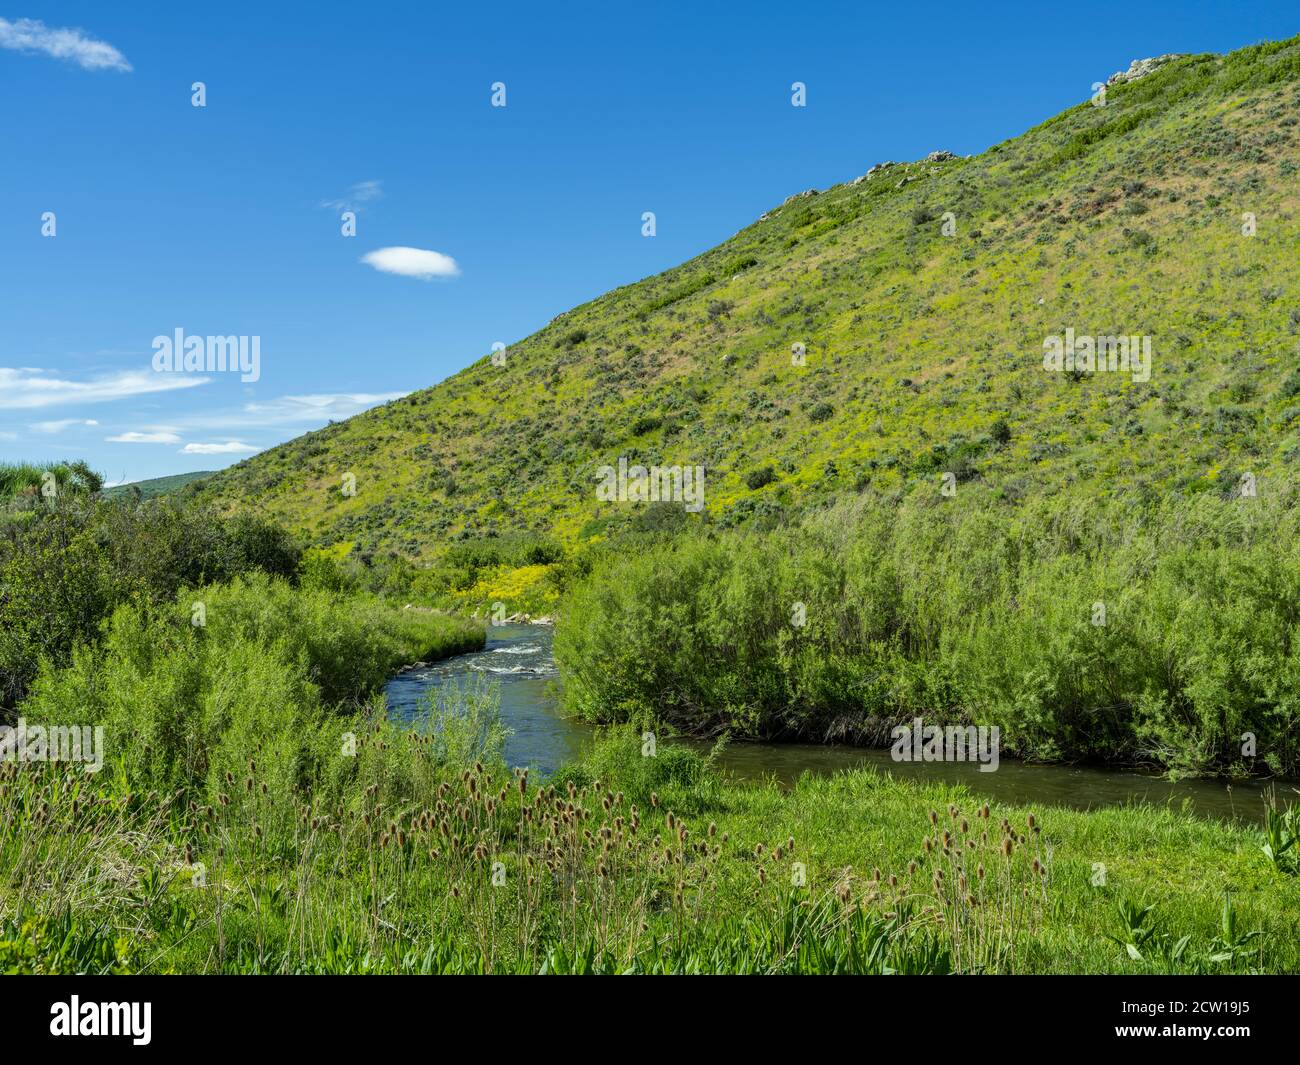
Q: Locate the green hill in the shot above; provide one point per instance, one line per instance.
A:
(924, 351)
(156, 486)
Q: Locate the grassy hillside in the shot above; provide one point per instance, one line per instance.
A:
(924, 351)
(156, 486)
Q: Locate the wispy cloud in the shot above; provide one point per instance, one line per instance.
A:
(133, 437)
(62, 424)
(291, 411)
(360, 193)
(25, 388)
(412, 262)
(230, 447)
(32, 35)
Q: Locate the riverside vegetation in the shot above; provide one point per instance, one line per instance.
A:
(259, 813)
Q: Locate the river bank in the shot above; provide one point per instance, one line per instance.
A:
(545, 739)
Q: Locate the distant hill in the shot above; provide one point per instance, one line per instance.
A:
(923, 294)
(156, 486)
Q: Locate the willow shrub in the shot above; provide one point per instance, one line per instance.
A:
(1156, 635)
(274, 675)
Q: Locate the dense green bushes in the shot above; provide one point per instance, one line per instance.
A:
(1160, 635)
(266, 676)
(66, 564)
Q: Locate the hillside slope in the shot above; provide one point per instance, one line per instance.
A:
(155, 486)
(924, 351)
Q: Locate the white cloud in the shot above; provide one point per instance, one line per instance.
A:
(361, 192)
(134, 437)
(61, 424)
(27, 388)
(412, 262)
(32, 35)
(333, 406)
(291, 411)
(230, 447)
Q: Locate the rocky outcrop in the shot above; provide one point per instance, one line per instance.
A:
(1140, 68)
(799, 196)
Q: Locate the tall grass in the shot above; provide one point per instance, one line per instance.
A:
(401, 859)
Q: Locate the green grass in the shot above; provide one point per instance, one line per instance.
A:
(31, 479)
(365, 879)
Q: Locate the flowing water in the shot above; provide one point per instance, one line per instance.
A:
(519, 656)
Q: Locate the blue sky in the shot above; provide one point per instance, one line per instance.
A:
(226, 219)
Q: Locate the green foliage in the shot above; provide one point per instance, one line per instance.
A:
(64, 569)
(1282, 838)
(1152, 635)
(25, 479)
(266, 674)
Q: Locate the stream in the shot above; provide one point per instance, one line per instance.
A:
(540, 737)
